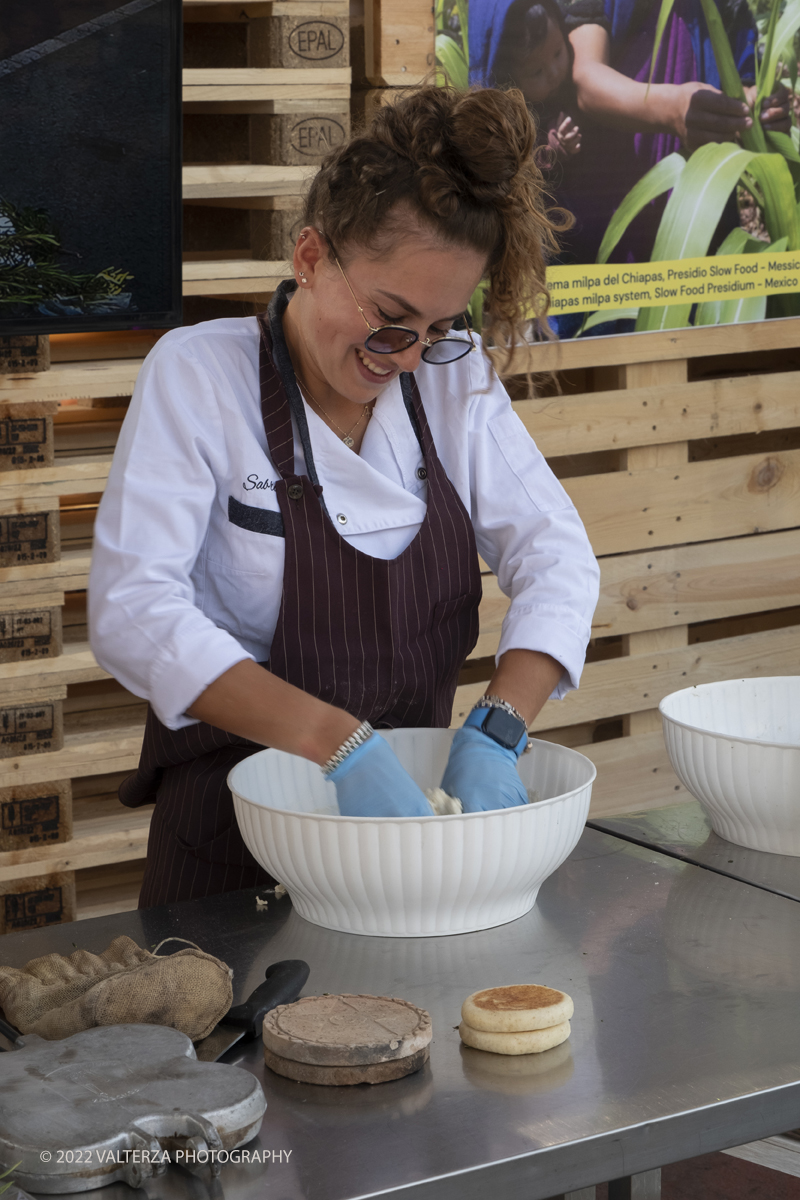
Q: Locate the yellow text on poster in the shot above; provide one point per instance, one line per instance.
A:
(678, 281)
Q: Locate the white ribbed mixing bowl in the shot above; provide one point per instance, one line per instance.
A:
(736, 746)
(410, 876)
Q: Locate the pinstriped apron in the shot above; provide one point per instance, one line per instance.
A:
(383, 639)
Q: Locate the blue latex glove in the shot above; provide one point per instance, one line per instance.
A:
(371, 783)
(482, 773)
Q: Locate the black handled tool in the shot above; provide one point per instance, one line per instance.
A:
(11, 1035)
(283, 984)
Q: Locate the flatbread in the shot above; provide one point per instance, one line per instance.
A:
(517, 1007)
(346, 1030)
(528, 1041)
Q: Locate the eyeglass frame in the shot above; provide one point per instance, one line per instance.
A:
(426, 342)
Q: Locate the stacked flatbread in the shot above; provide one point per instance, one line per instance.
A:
(523, 1018)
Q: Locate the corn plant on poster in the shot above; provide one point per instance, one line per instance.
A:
(89, 164)
(669, 130)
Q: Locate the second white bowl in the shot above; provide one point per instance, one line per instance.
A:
(410, 876)
(735, 745)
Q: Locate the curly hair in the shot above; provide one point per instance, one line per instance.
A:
(463, 163)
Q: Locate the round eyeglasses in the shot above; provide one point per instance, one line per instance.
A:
(394, 339)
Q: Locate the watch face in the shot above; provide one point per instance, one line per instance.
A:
(503, 728)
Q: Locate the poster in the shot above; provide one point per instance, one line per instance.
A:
(89, 165)
(669, 130)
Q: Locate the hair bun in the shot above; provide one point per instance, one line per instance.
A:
(492, 133)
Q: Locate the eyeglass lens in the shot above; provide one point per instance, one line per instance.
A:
(445, 350)
(390, 340)
(395, 339)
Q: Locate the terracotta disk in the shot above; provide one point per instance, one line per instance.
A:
(381, 1072)
(346, 1031)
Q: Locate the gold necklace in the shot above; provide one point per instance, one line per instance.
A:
(345, 434)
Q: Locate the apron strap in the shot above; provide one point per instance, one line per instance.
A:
(280, 396)
(281, 400)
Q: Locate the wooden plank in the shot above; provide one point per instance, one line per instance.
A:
(701, 501)
(214, 181)
(681, 585)
(68, 477)
(242, 84)
(653, 347)
(70, 573)
(234, 11)
(651, 641)
(235, 275)
(646, 416)
(250, 97)
(74, 381)
(633, 775)
(691, 583)
(87, 753)
(399, 41)
(263, 76)
(103, 891)
(77, 664)
(113, 343)
(617, 686)
(117, 838)
(271, 108)
(779, 1153)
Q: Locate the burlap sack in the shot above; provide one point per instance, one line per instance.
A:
(56, 996)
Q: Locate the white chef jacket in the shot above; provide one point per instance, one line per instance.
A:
(178, 594)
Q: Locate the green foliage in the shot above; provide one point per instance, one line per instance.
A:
(451, 61)
(5, 1186)
(30, 271)
(452, 42)
(661, 24)
(659, 179)
(776, 196)
(746, 308)
(475, 308)
(691, 217)
(780, 49)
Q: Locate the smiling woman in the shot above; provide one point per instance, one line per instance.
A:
(287, 551)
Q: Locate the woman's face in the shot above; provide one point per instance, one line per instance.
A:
(543, 69)
(417, 284)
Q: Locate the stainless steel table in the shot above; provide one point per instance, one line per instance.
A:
(684, 831)
(685, 1038)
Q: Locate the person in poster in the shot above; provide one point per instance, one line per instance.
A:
(585, 71)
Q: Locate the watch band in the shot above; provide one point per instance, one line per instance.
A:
(352, 743)
(497, 702)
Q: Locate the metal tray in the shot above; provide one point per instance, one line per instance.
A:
(119, 1102)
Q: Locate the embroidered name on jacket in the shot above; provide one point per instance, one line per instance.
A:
(253, 481)
(256, 520)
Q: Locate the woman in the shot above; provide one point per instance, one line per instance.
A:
(308, 490)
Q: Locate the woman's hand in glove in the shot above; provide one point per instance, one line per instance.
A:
(372, 783)
(481, 772)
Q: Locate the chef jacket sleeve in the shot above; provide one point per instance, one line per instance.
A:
(145, 628)
(529, 533)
